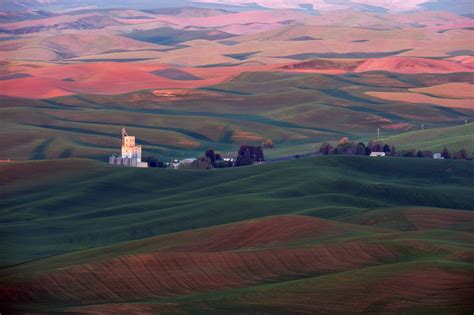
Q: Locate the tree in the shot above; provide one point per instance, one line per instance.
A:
(202, 163)
(378, 147)
(223, 164)
(245, 158)
(370, 148)
(461, 155)
(351, 148)
(152, 161)
(325, 149)
(258, 154)
(248, 154)
(428, 154)
(339, 149)
(360, 149)
(408, 153)
(345, 147)
(393, 151)
(374, 147)
(420, 154)
(386, 149)
(445, 153)
(210, 154)
(267, 144)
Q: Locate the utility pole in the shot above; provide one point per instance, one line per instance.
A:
(378, 133)
(422, 127)
(465, 121)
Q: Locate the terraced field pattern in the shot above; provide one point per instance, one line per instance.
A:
(325, 234)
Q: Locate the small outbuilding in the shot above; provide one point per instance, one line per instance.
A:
(377, 154)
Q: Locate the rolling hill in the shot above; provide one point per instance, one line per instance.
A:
(238, 240)
(460, 7)
(411, 65)
(171, 36)
(294, 109)
(320, 235)
(454, 138)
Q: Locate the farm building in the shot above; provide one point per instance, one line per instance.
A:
(182, 163)
(377, 154)
(131, 154)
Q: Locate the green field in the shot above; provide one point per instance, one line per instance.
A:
(336, 225)
(454, 138)
(296, 111)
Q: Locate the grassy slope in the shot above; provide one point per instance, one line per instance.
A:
(111, 205)
(454, 138)
(81, 204)
(398, 287)
(294, 110)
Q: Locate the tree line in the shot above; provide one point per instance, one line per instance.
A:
(250, 154)
(247, 155)
(353, 148)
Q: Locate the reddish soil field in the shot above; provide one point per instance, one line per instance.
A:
(98, 78)
(47, 81)
(125, 308)
(110, 78)
(462, 25)
(419, 218)
(341, 66)
(175, 273)
(398, 126)
(465, 60)
(214, 259)
(425, 219)
(270, 231)
(449, 90)
(365, 291)
(177, 95)
(270, 17)
(417, 98)
(412, 65)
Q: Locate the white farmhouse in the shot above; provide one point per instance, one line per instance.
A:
(377, 154)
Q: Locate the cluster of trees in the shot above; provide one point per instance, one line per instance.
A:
(459, 155)
(153, 161)
(352, 148)
(216, 160)
(201, 163)
(249, 154)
